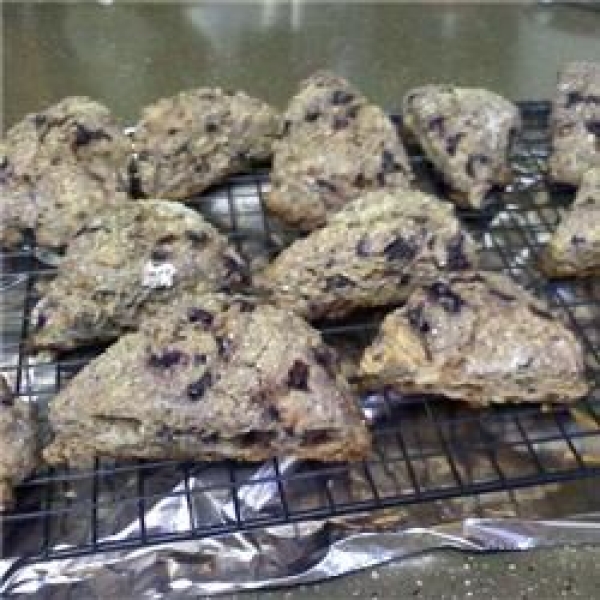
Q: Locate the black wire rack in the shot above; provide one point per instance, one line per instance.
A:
(425, 449)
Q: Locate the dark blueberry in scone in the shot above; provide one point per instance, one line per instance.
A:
(575, 122)
(465, 132)
(197, 138)
(277, 393)
(476, 337)
(372, 252)
(335, 146)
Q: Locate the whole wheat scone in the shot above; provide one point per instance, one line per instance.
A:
(211, 378)
(19, 453)
(465, 132)
(123, 264)
(193, 140)
(58, 167)
(477, 337)
(371, 253)
(335, 146)
(575, 122)
(574, 248)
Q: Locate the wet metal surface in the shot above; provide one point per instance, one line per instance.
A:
(128, 54)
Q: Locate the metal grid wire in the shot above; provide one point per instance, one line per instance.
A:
(424, 449)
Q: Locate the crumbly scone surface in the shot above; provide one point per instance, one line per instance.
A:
(466, 133)
(575, 123)
(477, 337)
(228, 379)
(574, 248)
(186, 143)
(372, 252)
(335, 146)
(57, 168)
(123, 264)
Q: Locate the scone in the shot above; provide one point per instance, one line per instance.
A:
(124, 263)
(18, 444)
(193, 140)
(336, 145)
(574, 248)
(228, 379)
(480, 338)
(57, 168)
(465, 133)
(575, 123)
(372, 252)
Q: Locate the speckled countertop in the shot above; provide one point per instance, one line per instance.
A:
(127, 54)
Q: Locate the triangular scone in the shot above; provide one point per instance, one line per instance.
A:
(123, 263)
(372, 252)
(197, 138)
(477, 337)
(335, 146)
(575, 122)
(574, 248)
(19, 453)
(58, 167)
(211, 378)
(465, 132)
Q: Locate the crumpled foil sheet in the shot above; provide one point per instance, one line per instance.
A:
(177, 502)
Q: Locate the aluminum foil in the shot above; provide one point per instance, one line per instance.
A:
(183, 502)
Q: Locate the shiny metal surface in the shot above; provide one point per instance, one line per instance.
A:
(129, 53)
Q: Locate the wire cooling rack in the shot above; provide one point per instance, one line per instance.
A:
(425, 449)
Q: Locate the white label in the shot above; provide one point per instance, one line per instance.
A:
(158, 276)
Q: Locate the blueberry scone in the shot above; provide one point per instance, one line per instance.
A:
(465, 133)
(574, 248)
(575, 122)
(477, 337)
(371, 253)
(335, 146)
(18, 444)
(229, 379)
(57, 168)
(193, 140)
(125, 262)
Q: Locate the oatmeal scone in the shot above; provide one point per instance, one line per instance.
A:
(19, 453)
(371, 253)
(188, 142)
(477, 337)
(229, 378)
(574, 248)
(335, 146)
(125, 262)
(57, 168)
(465, 133)
(575, 122)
